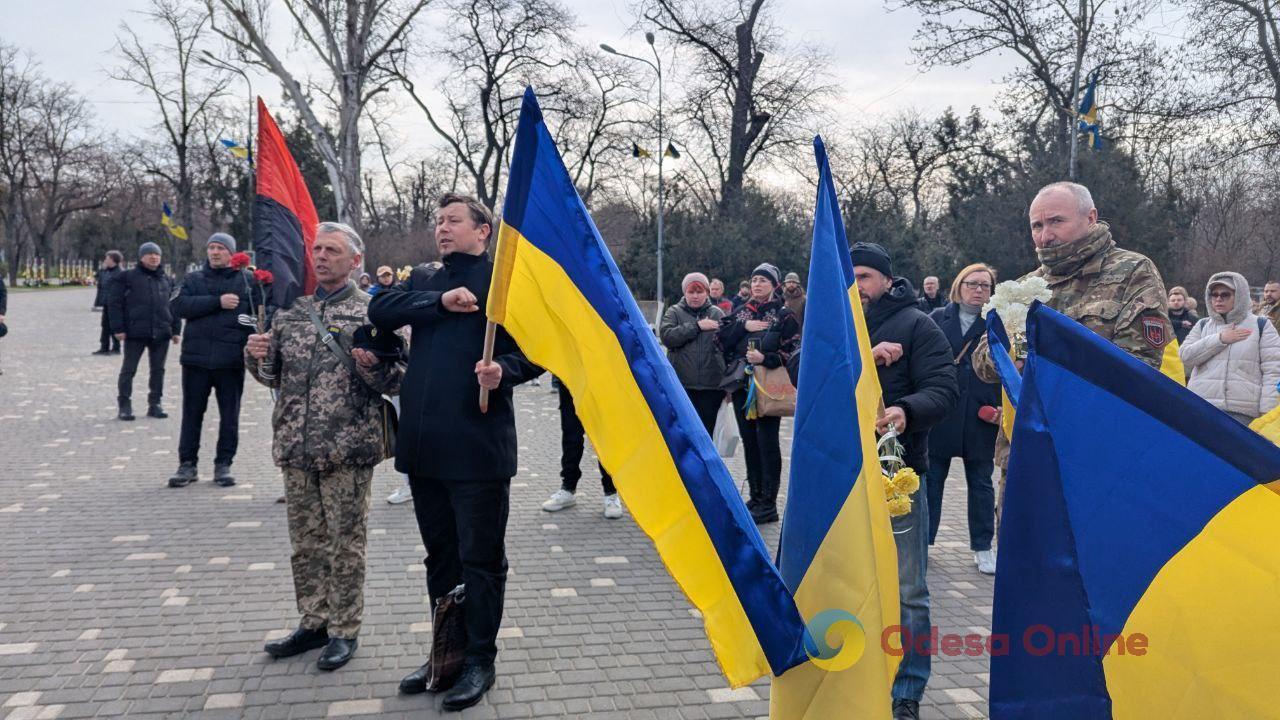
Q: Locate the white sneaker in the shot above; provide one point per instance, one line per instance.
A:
(559, 500)
(612, 506)
(400, 496)
(986, 560)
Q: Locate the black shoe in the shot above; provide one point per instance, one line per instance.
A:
(906, 709)
(154, 410)
(185, 475)
(222, 475)
(126, 410)
(471, 686)
(765, 514)
(416, 682)
(337, 653)
(103, 351)
(115, 351)
(297, 642)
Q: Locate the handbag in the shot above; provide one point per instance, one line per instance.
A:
(726, 435)
(448, 640)
(735, 376)
(775, 395)
(390, 421)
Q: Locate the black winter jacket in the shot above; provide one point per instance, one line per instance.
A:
(962, 433)
(103, 280)
(138, 305)
(691, 350)
(923, 381)
(1177, 318)
(778, 342)
(442, 432)
(214, 339)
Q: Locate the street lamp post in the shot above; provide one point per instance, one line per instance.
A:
(657, 67)
(207, 58)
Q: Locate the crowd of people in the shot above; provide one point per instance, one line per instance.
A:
(337, 360)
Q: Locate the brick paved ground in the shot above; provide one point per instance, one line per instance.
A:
(122, 598)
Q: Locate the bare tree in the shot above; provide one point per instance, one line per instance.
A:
(51, 159)
(168, 73)
(1057, 41)
(498, 48)
(742, 108)
(353, 40)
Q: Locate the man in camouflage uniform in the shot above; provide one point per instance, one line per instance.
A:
(1116, 293)
(328, 437)
(1269, 305)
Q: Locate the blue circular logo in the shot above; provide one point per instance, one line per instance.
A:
(850, 640)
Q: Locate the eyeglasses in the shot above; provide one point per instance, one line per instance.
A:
(1222, 295)
(975, 285)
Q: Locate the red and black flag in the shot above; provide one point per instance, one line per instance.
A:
(284, 218)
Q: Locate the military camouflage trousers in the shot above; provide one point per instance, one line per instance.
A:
(328, 520)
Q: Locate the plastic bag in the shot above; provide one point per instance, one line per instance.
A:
(726, 435)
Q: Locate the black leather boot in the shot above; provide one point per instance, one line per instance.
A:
(470, 688)
(297, 642)
(337, 653)
(222, 475)
(416, 682)
(154, 410)
(126, 410)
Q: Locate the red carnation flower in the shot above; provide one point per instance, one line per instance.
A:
(240, 261)
(263, 277)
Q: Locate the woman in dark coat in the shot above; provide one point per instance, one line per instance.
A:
(760, 332)
(969, 432)
(688, 331)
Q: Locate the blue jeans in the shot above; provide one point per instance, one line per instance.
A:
(982, 499)
(911, 532)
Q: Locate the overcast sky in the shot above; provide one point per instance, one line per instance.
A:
(869, 46)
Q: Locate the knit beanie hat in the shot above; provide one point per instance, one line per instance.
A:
(873, 256)
(222, 239)
(148, 248)
(768, 272)
(694, 277)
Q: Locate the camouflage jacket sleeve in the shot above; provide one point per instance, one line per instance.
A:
(1142, 328)
(982, 364)
(383, 378)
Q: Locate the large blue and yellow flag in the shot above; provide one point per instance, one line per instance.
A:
(837, 552)
(557, 291)
(1088, 112)
(1139, 570)
(166, 219)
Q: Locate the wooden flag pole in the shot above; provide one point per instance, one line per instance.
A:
(490, 329)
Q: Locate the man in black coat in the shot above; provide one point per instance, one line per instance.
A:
(110, 270)
(918, 380)
(460, 461)
(212, 301)
(138, 307)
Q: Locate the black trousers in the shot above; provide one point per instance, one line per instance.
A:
(707, 403)
(157, 350)
(573, 445)
(107, 341)
(463, 524)
(762, 454)
(228, 385)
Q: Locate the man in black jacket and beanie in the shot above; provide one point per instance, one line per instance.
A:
(212, 301)
(110, 270)
(917, 377)
(460, 461)
(138, 309)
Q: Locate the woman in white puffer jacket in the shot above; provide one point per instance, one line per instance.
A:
(1233, 355)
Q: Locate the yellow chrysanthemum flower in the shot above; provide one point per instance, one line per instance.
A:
(906, 481)
(899, 506)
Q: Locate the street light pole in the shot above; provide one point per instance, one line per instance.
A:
(208, 59)
(657, 68)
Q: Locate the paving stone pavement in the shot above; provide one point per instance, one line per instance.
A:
(120, 597)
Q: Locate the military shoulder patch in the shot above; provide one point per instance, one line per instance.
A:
(1155, 332)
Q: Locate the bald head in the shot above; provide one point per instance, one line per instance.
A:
(1062, 213)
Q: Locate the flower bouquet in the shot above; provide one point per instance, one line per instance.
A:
(900, 481)
(1012, 300)
(257, 281)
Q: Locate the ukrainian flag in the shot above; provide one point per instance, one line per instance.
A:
(1134, 509)
(236, 149)
(1268, 426)
(1010, 381)
(557, 291)
(837, 551)
(166, 219)
(1089, 113)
